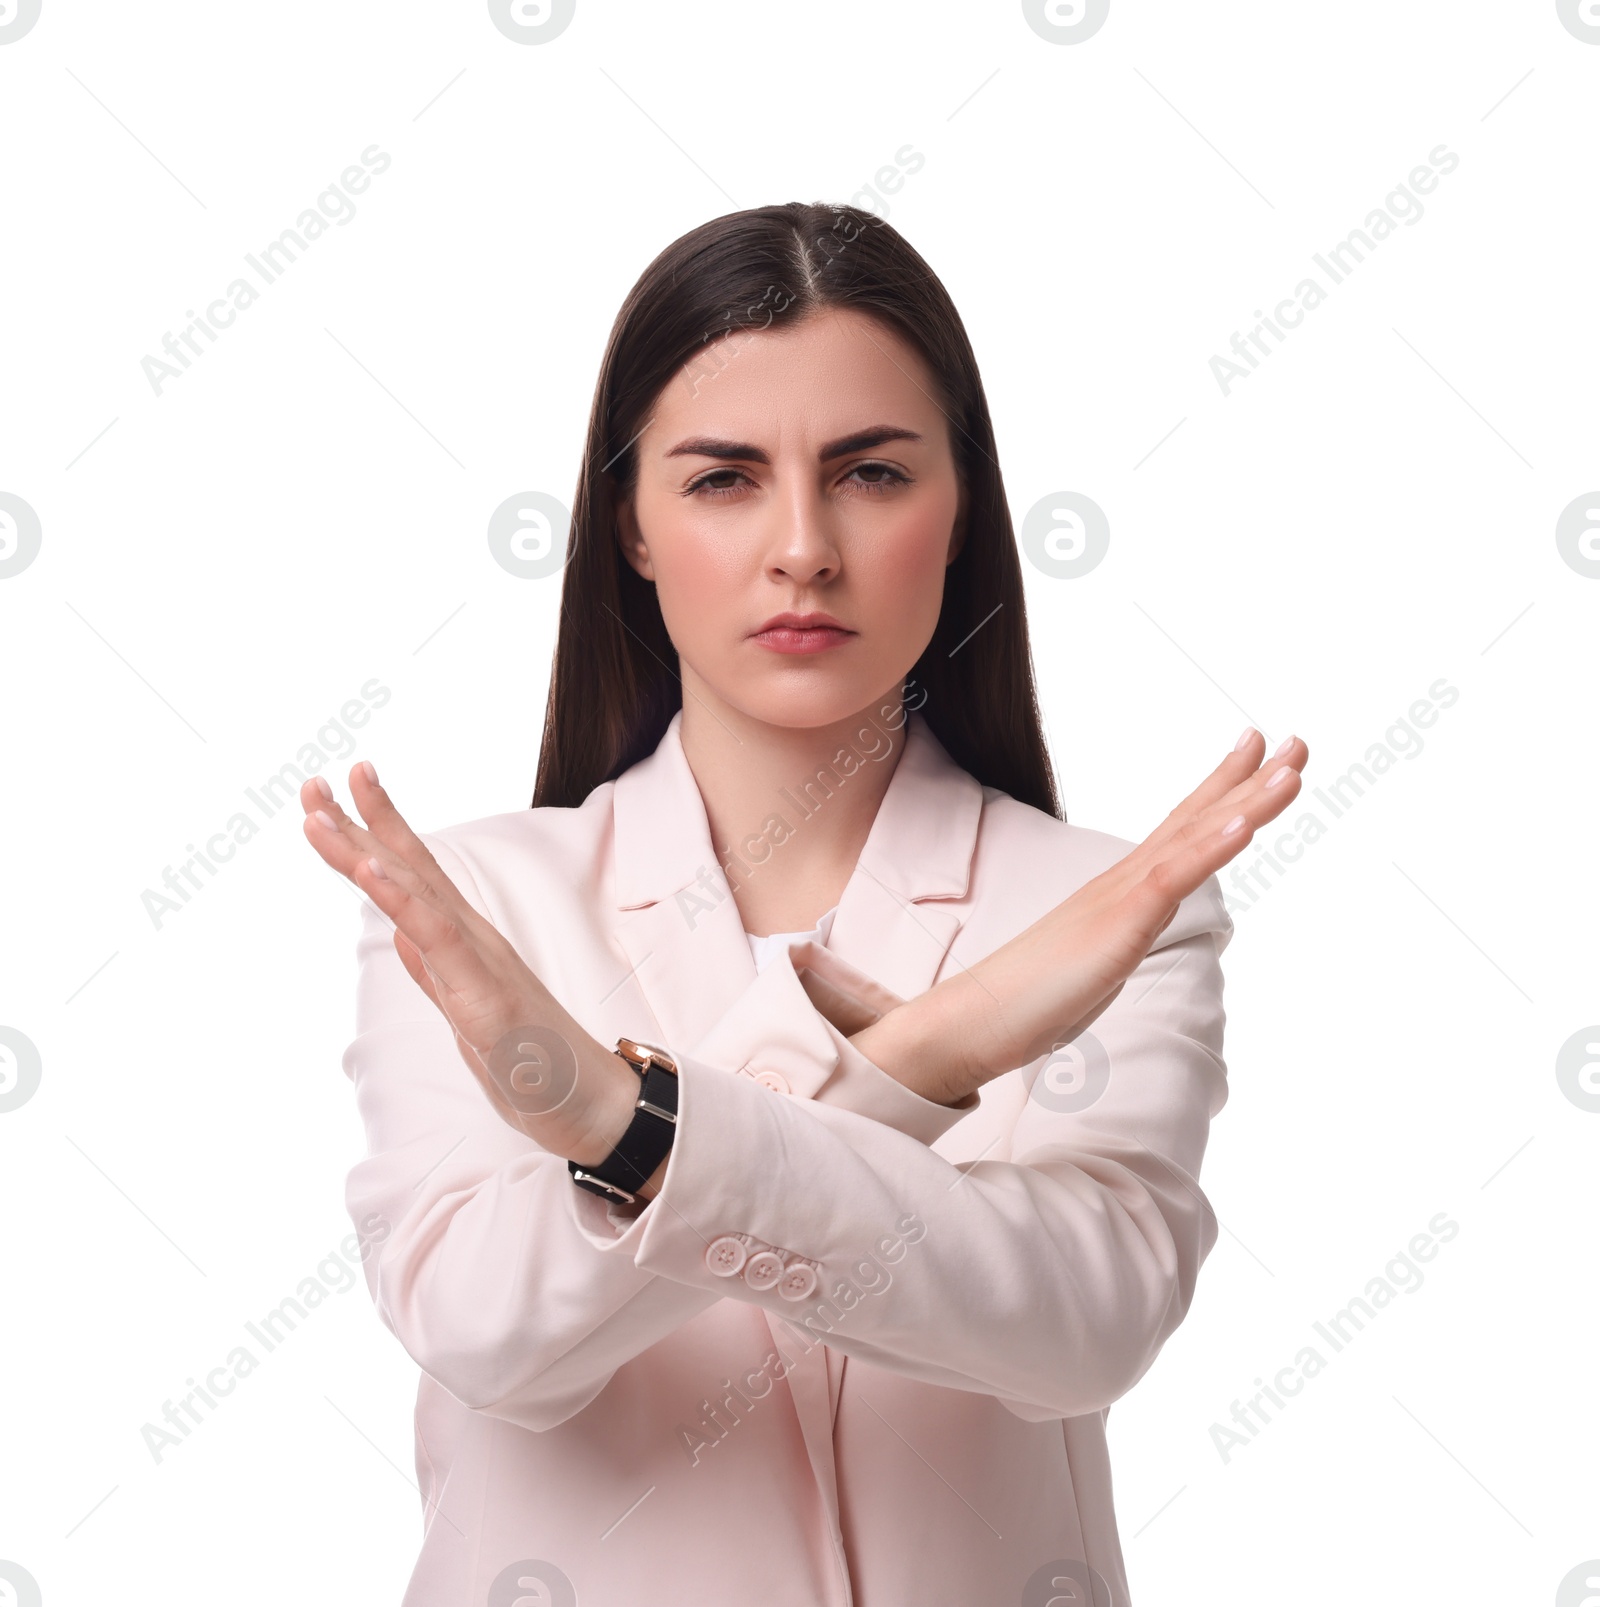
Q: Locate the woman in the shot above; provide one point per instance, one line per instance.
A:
(822, 1295)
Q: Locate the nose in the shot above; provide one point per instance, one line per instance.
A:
(804, 543)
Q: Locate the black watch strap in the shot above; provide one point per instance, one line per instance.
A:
(644, 1145)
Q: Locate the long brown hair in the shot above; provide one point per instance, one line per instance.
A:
(614, 682)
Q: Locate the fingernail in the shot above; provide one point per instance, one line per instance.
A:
(1244, 741)
(1277, 776)
(376, 867)
(1233, 826)
(365, 767)
(1283, 747)
(323, 787)
(327, 819)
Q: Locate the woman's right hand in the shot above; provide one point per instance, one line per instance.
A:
(1049, 982)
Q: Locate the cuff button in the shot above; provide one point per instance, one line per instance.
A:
(725, 1256)
(763, 1269)
(775, 1080)
(798, 1281)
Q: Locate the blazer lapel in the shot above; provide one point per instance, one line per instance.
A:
(684, 939)
(919, 850)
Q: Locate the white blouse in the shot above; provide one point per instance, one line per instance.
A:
(764, 950)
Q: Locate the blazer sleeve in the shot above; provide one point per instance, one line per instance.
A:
(1048, 1272)
(516, 1290)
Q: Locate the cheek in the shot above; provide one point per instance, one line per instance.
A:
(693, 563)
(908, 565)
(698, 575)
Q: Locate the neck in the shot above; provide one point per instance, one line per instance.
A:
(789, 807)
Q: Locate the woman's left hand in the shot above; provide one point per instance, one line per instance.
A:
(545, 1075)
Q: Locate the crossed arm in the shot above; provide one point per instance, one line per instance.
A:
(987, 1020)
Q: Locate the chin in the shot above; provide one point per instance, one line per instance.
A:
(819, 701)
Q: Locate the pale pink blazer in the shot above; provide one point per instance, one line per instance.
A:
(861, 1348)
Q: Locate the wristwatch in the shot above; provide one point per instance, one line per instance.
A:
(644, 1145)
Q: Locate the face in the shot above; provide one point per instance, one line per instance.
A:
(811, 474)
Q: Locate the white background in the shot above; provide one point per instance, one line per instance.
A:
(223, 565)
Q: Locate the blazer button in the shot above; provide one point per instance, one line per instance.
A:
(763, 1269)
(775, 1080)
(725, 1256)
(798, 1280)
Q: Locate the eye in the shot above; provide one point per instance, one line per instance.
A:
(703, 487)
(894, 477)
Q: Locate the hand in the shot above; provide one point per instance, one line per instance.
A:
(1049, 982)
(547, 1077)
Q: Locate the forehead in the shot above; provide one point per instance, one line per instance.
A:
(833, 371)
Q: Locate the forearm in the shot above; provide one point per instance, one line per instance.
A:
(915, 1044)
(924, 1043)
(1072, 1261)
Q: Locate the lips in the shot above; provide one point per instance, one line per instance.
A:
(815, 619)
(802, 633)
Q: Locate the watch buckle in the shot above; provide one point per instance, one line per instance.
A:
(593, 1182)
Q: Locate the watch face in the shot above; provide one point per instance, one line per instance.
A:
(642, 1054)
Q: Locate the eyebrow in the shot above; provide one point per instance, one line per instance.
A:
(706, 446)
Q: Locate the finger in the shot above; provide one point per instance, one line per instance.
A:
(340, 840)
(316, 793)
(344, 843)
(1227, 785)
(1226, 829)
(1211, 817)
(449, 956)
(1232, 777)
(1262, 798)
(388, 827)
(1234, 771)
